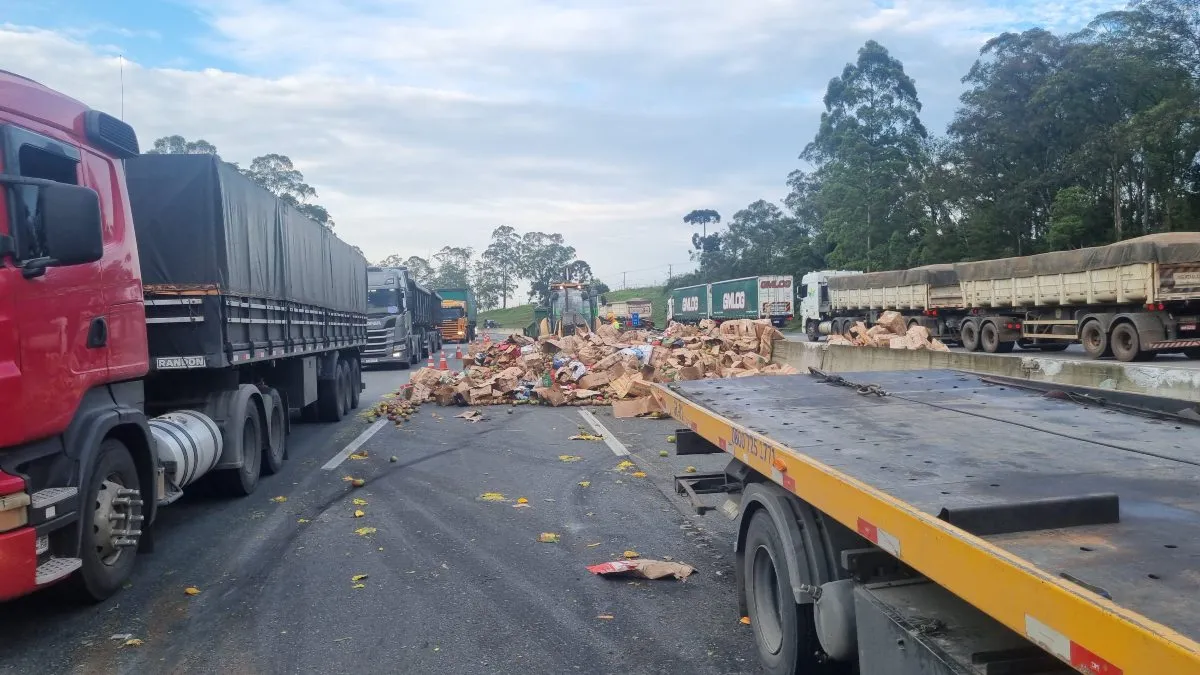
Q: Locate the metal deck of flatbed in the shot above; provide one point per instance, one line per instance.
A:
(947, 440)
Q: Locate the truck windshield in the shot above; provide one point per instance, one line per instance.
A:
(575, 300)
(453, 313)
(385, 300)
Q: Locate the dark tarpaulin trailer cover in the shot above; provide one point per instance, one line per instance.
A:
(1166, 248)
(200, 223)
(932, 275)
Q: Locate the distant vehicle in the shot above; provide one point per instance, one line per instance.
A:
(1133, 299)
(490, 323)
(571, 304)
(766, 297)
(458, 314)
(624, 312)
(403, 316)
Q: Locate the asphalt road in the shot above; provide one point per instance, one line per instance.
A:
(454, 583)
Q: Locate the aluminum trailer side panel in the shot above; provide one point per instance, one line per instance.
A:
(943, 442)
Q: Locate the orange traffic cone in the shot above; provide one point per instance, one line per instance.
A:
(442, 365)
(431, 363)
(458, 352)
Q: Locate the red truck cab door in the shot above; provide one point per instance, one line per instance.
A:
(54, 333)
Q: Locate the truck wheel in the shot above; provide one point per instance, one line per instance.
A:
(329, 397)
(969, 332)
(275, 451)
(1125, 342)
(112, 503)
(355, 384)
(241, 482)
(784, 632)
(989, 339)
(813, 331)
(1093, 339)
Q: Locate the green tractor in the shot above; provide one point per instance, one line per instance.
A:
(571, 304)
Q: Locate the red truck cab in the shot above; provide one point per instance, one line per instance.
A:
(72, 343)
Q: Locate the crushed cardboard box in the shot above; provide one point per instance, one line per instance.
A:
(889, 332)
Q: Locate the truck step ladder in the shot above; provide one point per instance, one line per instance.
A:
(56, 568)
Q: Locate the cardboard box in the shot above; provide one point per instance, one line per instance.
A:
(635, 407)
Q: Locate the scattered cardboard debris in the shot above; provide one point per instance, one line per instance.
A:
(643, 568)
(599, 367)
(889, 332)
(471, 415)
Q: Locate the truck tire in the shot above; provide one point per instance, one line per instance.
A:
(784, 632)
(355, 384)
(275, 451)
(242, 481)
(989, 339)
(107, 566)
(969, 332)
(1125, 343)
(329, 397)
(812, 330)
(1094, 340)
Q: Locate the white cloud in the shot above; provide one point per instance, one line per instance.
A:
(427, 123)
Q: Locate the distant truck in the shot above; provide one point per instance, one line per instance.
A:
(459, 313)
(1132, 300)
(160, 317)
(403, 316)
(624, 311)
(930, 296)
(766, 297)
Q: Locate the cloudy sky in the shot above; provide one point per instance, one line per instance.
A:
(425, 123)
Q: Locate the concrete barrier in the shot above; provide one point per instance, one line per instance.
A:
(1164, 381)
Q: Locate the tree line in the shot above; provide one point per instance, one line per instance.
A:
(272, 171)
(494, 275)
(1060, 141)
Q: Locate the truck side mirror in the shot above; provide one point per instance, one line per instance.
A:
(71, 223)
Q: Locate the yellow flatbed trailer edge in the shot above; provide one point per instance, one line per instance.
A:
(1083, 629)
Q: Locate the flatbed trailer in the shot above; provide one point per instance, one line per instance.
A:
(933, 522)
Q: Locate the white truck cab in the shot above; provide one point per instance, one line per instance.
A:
(814, 299)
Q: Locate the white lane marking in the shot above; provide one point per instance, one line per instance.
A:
(611, 441)
(354, 445)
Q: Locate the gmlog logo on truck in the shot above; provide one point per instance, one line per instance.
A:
(691, 304)
(785, 282)
(736, 300)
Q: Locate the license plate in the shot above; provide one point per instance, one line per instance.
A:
(370, 360)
